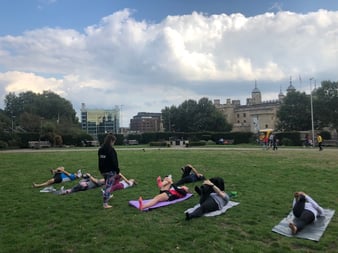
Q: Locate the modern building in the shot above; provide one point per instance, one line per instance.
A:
(253, 116)
(100, 121)
(146, 122)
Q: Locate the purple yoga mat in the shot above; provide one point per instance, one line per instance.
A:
(135, 204)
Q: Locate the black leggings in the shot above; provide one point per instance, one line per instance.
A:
(209, 205)
(303, 216)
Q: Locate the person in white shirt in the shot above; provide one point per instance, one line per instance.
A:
(121, 182)
(306, 211)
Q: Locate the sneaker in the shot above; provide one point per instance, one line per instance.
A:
(106, 206)
(79, 174)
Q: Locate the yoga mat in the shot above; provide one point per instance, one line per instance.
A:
(214, 213)
(312, 231)
(135, 204)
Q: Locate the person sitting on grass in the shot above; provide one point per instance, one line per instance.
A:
(189, 175)
(212, 197)
(60, 175)
(306, 211)
(86, 183)
(121, 182)
(168, 192)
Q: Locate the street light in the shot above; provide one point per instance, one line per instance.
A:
(313, 132)
(13, 117)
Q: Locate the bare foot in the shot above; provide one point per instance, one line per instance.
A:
(106, 206)
(159, 181)
(293, 228)
(140, 203)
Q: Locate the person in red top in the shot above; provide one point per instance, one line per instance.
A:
(168, 192)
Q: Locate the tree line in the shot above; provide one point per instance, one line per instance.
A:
(51, 117)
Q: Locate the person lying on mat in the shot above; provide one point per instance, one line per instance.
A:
(121, 182)
(168, 192)
(306, 211)
(86, 183)
(60, 175)
(189, 175)
(212, 197)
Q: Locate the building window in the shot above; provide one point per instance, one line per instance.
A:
(238, 116)
(244, 121)
(244, 115)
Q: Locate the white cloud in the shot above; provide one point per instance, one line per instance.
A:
(147, 66)
(15, 81)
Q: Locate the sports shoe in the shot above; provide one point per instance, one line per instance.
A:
(79, 174)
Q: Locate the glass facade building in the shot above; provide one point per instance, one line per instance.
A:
(100, 121)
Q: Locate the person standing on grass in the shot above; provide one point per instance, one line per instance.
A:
(320, 142)
(108, 166)
(306, 211)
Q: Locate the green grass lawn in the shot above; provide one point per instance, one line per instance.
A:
(265, 181)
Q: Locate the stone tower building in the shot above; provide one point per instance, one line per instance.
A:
(255, 115)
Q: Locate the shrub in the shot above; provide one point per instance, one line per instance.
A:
(287, 142)
(158, 143)
(197, 143)
(3, 145)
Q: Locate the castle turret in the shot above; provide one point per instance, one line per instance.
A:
(291, 88)
(281, 96)
(256, 95)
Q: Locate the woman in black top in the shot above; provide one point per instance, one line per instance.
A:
(108, 166)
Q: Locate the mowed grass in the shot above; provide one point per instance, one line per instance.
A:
(265, 181)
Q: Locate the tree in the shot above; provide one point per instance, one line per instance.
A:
(193, 116)
(326, 106)
(295, 112)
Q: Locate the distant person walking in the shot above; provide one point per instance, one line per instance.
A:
(108, 166)
(320, 142)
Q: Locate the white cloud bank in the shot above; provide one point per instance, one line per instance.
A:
(147, 66)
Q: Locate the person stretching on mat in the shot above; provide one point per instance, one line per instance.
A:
(212, 197)
(168, 192)
(189, 175)
(306, 211)
(60, 175)
(86, 183)
(121, 182)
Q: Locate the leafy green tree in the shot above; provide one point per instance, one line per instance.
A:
(326, 104)
(295, 112)
(46, 114)
(47, 105)
(193, 116)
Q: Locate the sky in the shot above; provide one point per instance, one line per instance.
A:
(143, 56)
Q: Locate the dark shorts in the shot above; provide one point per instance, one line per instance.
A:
(57, 178)
(171, 196)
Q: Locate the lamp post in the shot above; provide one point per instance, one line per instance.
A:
(312, 125)
(13, 117)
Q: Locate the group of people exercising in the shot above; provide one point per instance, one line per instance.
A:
(212, 195)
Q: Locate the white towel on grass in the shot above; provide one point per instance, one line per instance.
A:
(214, 213)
